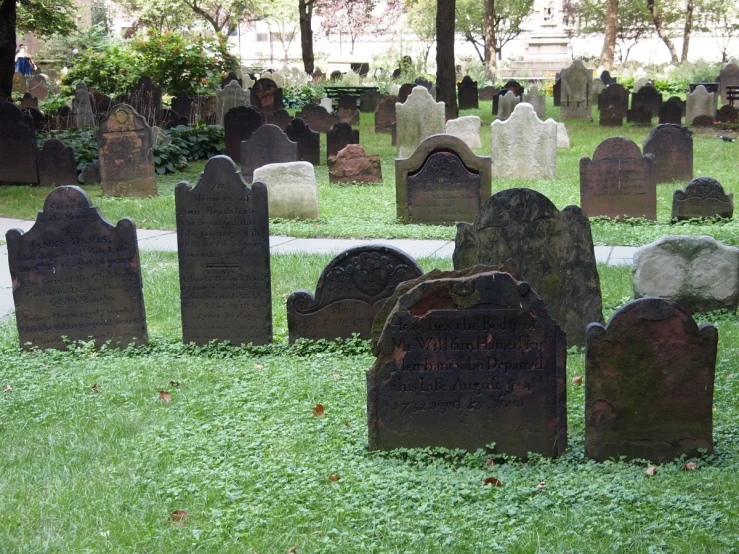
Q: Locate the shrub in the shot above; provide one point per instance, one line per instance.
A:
(297, 97)
(200, 142)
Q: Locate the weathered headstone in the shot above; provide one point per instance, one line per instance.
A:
(308, 141)
(182, 104)
(700, 102)
(267, 145)
(671, 112)
(672, 148)
(467, 361)
(639, 83)
(63, 119)
(76, 275)
(353, 165)
(20, 85)
(350, 291)
(317, 118)
(29, 101)
(467, 128)
(507, 102)
(728, 77)
(697, 272)
(281, 118)
(101, 103)
(441, 183)
(346, 109)
(239, 125)
(557, 92)
(614, 95)
(596, 88)
(553, 250)
(205, 110)
(338, 137)
(223, 250)
(649, 97)
(538, 160)
(649, 384)
(385, 114)
(125, 150)
(56, 164)
(605, 76)
(467, 94)
(39, 88)
(169, 119)
(537, 100)
(266, 96)
(91, 174)
(231, 96)
(18, 146)
(405, 91)
(369, 100)
(727, 114)
(327, 104)
(563, 139)
(487, 93)
(291, 188)
(639, 115)
(416, 119)
(703, 197)
(702, 121)
(618, 181)
(576, 95)
(230, 77)
(610, 116)
(82, 113)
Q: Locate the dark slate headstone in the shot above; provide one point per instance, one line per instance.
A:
(347, 109)
(266, 96)
(425, 83)
(511, 86)
(40, 121)
(553, 250)
(223, 249)
(467, 361)
(182, 104)
(467, 94)
(369, 100)
(610, 116)
(29, 101)
(17, 145)
(91, 174)
(672, 148)
(649, 378)
(231, 76)
(318, 118)
(649, 97)
(557, 92)
(605, 76)
(336, 75)
(702, 121)
(338, 137)
(385, 114)
(100, 103)
(703, 197)
(671, 112)
(727, 114)
(618, 181)
(514, 86)
(614, 95)
(76, 275)
(169, 119)
(441, 183)
(309, 141)
(405, 91)
(347, 102)
(281, 118)
(56, 164)
(350, 292)
(239, 125)
(487, 93)
(125, 150)
(639, 115)
(268, 145)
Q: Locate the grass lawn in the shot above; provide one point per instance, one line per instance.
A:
(368, 211)
(94, 461)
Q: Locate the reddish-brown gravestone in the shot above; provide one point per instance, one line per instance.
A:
(223, 249)
(353, 165)
(385, 114)
(672, 148)
(76, 275)
(442, 182)
(126, 155)
(467, 361)
(618, 181)
(56, 165)
(649, 384)
(351, 290)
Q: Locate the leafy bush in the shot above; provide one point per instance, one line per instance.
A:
(169, 158)
(200, 142)
(297, 97)
(678, 78)
(114, 70)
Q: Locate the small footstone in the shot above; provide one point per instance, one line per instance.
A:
(466, 128)
(353, 165)
(291, 189)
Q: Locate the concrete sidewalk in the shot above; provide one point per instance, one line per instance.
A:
(167, 241)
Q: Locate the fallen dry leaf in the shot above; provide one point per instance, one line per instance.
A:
(164, 396)
(318, 410)
(258, 366)
(7, 388)
(178, 517)
(95, 388)
(730, 376)
(690, 466)
(577, 381)
(333, 477)
(336, 376)
(541, 485)
(492, 481)
(292, 550)
(651, 470)
(175, 384)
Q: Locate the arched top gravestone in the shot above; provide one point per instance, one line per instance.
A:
(649, 97)
(308, 141)
(18, 146)
(703, 197)
(699, 103)
(224, 260)
(385, 114)
(56, 164)
(672, 148)
(649, 384)
(317, 118)
(468, 360)
(419, 117)
(266, 96)
(575, 93)
(369, 100)
(614, 95)
(338, 137)
(182, 104)
(239, 125)
(76, 275)
(267, 145)
(552, 249)
(281, 118)
(231, 96)
(537, 99)
(507, 103)
(442, 182)
(350, 291)
(467, 93)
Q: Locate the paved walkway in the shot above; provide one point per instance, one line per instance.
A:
(167, 241)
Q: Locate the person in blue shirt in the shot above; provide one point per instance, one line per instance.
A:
(23, 62)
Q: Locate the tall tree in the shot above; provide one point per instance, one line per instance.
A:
(659, 26)
(490, 43)
(421, 19)
(611, 30)
(305, 14)
(508, 17)
(356, 18)
(445, 71)
(687, 29)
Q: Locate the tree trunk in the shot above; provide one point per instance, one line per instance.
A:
(305, 7)
(7, 47)
(689, 6)
(445, 74)
(609, 41)
(491, 45)
(657, 20)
